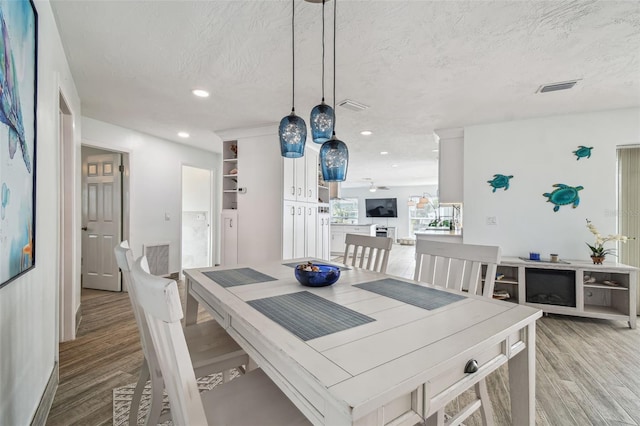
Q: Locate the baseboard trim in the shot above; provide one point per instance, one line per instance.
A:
(42, 412)
(78, 317)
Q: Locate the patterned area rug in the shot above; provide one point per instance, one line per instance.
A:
(122, 399)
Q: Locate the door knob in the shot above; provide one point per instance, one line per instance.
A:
(84, 228)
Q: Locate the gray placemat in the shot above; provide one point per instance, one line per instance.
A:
(413, 294)
(307, 315)
(240, 276)
(342, 268)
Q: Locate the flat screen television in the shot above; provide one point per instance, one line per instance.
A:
(381, 207)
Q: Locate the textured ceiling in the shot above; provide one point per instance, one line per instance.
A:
(419, 65)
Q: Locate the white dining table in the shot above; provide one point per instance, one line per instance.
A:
(403, 360)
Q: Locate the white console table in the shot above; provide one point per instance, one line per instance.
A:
(607, 291)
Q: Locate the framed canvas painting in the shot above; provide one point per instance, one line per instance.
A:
(18, 96)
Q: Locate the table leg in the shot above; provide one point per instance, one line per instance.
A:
(191, 305)
(522, 381)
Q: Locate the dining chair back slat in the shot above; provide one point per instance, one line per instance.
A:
(457, 266)
(367, 252)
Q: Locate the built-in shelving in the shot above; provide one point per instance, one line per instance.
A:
(230, 175)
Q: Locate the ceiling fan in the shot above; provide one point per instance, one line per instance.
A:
(374, 188)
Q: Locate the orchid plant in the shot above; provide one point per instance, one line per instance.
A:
(597, 249)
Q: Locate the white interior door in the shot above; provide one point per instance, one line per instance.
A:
(102, 217)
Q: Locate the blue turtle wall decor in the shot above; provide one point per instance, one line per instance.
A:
(563, 195)
(582, 152)
(500, 181)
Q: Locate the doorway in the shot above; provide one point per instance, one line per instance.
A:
(197, 208)
(102, 206)
(69, 291)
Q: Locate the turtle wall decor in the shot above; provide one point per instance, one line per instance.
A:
(563, 195)
(500, 181)
(583, 152)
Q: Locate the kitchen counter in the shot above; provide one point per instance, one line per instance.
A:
(444, 235)
(339, 230)
(352, 224)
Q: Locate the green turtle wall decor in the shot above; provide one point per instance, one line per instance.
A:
(500, 181)
(563, 195)
(582, 152)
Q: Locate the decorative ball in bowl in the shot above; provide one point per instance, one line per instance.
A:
(317, 274)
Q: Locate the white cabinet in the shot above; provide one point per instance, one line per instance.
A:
(323, 250)
(300, 230)
(450, 165)
(338, 232)
(229, 237)
(311, 230)
(300, 178)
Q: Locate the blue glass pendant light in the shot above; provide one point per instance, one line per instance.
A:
(334, 155)
(292, 129)
(322, 116)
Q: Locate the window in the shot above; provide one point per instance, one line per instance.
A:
(429, 214)
(344, 210)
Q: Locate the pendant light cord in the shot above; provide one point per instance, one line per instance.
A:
(293, 56)
(323, 1)
(334, 66)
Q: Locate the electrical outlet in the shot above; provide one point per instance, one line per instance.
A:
(492, 220)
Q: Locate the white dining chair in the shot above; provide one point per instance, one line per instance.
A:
(212, 350)
(459, 266)
(250, 399)
(373, 250)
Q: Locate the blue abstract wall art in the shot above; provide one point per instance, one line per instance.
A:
(18, 95)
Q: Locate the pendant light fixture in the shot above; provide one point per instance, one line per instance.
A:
(334, 155)
(322, 116)
(292, 129)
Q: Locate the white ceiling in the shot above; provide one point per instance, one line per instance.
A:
(419, 65)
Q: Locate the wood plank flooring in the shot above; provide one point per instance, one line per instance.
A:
(586, 370)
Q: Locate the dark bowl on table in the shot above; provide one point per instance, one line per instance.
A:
(326, 275)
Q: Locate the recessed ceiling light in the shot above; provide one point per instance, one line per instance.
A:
(435, 150)
(394, 165)
(183, 134)
(366, 133)
(383, 152)
(200, 93)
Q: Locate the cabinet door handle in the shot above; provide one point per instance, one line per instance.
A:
(299, 211)
(293, 190)
(230, 223)
(309, 211)
(310, 193)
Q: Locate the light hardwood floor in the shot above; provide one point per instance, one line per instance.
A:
(587, 371)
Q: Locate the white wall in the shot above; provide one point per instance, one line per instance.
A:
(29, 305)
(538, 153)
(155, 182)
(402, 193)
(196, 189)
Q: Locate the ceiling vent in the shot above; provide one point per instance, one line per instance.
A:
(553, 87)
(353, 105)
